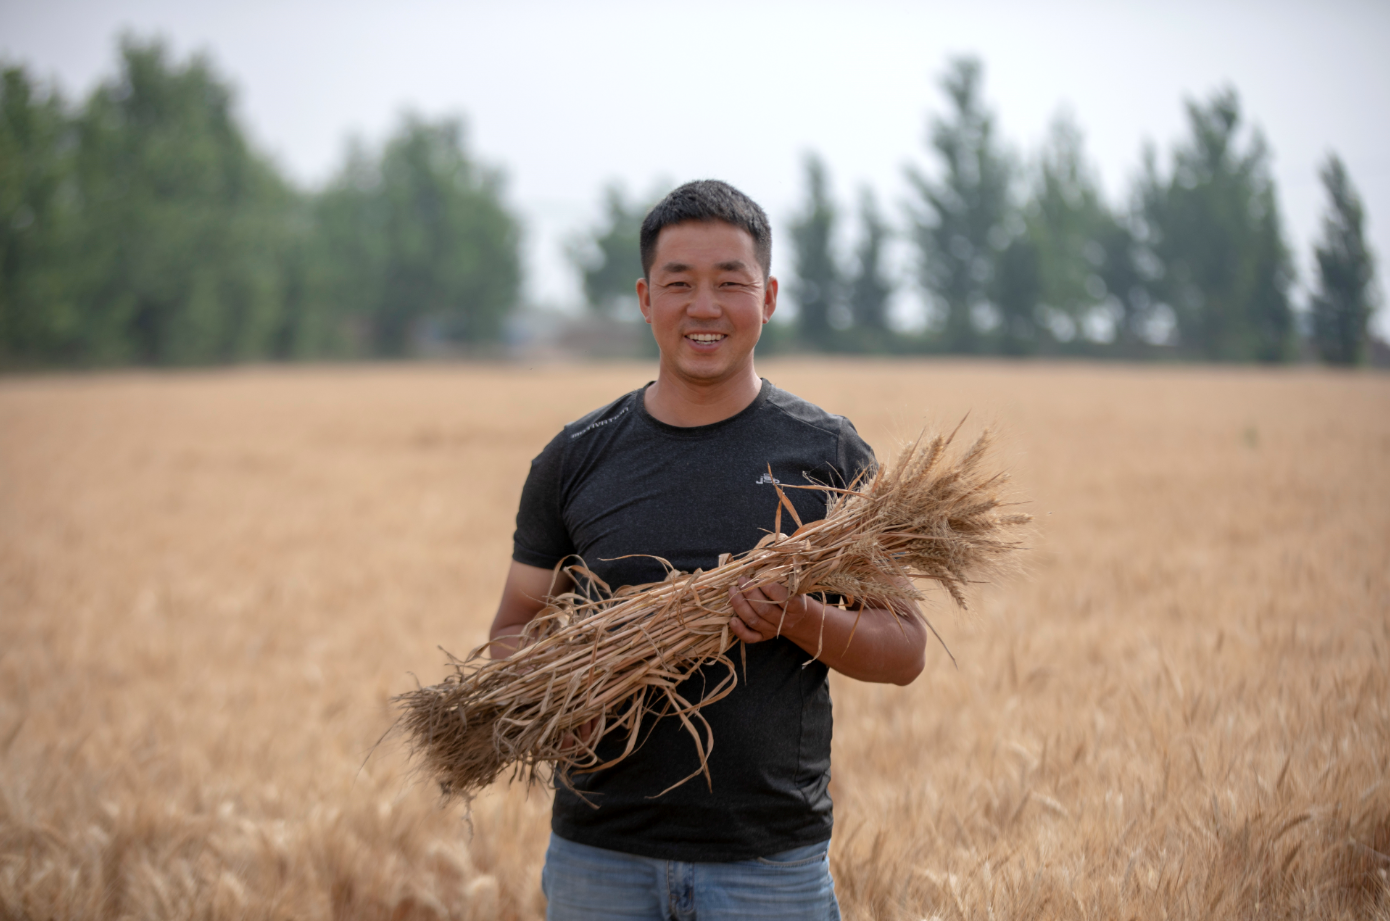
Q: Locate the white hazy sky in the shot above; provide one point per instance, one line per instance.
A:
(566, 97)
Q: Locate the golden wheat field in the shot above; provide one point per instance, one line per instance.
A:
(212, 584)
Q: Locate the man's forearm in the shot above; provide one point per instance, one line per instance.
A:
(869, 644)
(523, 597)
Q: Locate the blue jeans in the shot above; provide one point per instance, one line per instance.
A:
(584, 883)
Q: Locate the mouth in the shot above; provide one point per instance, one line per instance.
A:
(705, 338)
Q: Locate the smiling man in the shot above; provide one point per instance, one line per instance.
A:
(683, 469)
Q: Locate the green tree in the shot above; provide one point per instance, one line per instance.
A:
(1018, 288)
(305, 328)
(1215, 229)
(1065, 219)
(1345, 297)
(452, 248)
(817, 288)
(870, 288)
(417, 235)
(144, 228)
(37, 314)
(346, 258)
(608, 257)
(959, 226)
(1130, 299)
(182, 224)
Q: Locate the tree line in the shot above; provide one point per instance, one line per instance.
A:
(141, 226)
(1028, 258)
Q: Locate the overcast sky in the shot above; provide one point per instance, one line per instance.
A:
(565, 97)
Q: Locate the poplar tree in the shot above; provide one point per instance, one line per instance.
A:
(181, 222)
(452, 248)
(347, 259)
(959, 223)
(143, 228)
(37, 314)
(1066, 220)
(1018, 288)
(870, 288)
(817, 286)
(1345, 296)
(608, 257)
(1214, 227)
(418, 233)
(1129, 286)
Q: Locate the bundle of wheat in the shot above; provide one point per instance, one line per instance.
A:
(599, 663)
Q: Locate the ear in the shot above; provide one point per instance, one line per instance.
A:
(769, 298)
(644, 300)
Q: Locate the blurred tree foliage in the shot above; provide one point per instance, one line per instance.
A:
(818, 285)
(38, 313)
(1017, 290)
(1197, 266)
(608, 258)
(1126, 270)
(1345, 296)
(415, 241)
(959, 224)
(1213, 225)
(142, 227)
(179, 226)
(1065, 220)
(871, 288)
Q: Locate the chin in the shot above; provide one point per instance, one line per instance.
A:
(693, 368)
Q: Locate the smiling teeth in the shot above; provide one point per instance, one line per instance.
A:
(706, 337)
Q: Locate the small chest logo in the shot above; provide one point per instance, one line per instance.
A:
(767, 479)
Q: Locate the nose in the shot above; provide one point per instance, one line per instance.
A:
(704, 303)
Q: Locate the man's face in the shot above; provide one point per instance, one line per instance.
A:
(706, 300)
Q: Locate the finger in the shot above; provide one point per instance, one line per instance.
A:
(743, 607)
(748, 623)
(744, 632)
(765, 606)
(757, 599)
(763, 591)
(775, 592)
(767, 599)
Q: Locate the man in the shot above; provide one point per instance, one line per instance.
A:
(683, 469)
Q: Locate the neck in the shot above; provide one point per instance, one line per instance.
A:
(689, 403)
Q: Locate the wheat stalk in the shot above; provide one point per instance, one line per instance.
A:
(610, 661)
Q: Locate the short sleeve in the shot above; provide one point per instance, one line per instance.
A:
(541, 538)
(855, 455)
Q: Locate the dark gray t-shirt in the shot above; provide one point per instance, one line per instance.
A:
(619, 482)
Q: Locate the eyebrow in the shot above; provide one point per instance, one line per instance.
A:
(734, 265)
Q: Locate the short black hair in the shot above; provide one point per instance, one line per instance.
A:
(708, 200)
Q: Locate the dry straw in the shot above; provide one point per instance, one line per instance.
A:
(612, 662)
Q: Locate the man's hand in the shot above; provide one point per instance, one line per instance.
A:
(871, 643)
(763, 611)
